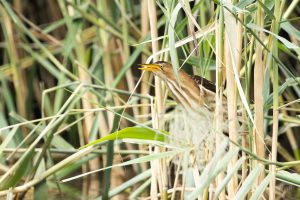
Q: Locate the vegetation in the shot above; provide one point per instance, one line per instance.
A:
(78, 120)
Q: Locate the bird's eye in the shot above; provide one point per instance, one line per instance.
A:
(162, 67)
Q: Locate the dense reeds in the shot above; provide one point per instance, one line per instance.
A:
(69, 77)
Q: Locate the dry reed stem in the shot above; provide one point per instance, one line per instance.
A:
(258, 134)
(219, 98)
(274, 156)
(158, 109)
(290, 9)
(230, 57)
(145, 89)
(274, 44)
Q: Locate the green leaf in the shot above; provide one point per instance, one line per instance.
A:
(228, 177)
(290, 29)
(289, 178)
(171, 34)
(201, 61)
(19, 170)
(130, 183)
(261, 188)
(267, 7)
(40, 190)
(284, 41)
(205, 179)
(243, 3)
(289, 82)
(248, 183)
(60, 143)
(148, 158)
(141, 133)
(8, 140)
(130, 61)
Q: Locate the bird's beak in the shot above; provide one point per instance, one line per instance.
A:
(149, 67)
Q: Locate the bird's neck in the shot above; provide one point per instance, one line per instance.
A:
(185, 92)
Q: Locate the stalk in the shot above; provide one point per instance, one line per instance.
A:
(159, 173)
(231, 47)
(219, 88)
(275, 27)
(258, 133)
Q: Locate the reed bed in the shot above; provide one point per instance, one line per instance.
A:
(78, 120)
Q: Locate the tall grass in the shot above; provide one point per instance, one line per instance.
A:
(69, 77)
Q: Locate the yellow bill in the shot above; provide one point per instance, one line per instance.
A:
(150, 67)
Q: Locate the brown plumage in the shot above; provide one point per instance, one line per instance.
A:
(189, 91)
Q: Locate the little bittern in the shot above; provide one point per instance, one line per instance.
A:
(190, 91)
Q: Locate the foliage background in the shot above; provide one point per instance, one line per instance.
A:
(69, 76)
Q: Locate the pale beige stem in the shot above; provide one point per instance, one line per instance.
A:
(145, 89)
(258, 133)
(274, 155)
(147, 78)
(157, 111)
(231, 47)
(219, 94)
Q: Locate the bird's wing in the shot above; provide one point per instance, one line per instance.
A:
(205, 83)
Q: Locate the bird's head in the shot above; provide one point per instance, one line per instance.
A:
(161, 69)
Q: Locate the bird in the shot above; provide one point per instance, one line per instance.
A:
(192, 92)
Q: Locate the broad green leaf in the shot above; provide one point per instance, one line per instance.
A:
(141, 133)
